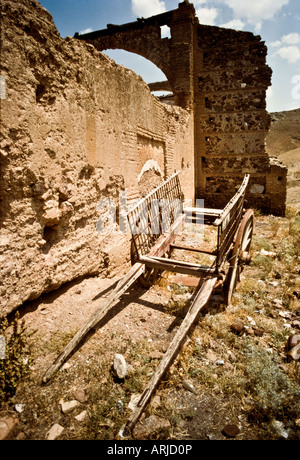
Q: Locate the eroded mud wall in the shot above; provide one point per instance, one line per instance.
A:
(75, 129)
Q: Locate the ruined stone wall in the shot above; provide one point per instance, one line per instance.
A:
(75, 129)
(220, 76)
(232, 121)
(174, 56)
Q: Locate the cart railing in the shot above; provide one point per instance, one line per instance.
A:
(229, 221)
(155, 214)
(162, 210)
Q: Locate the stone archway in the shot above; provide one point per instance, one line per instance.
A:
(173, 56)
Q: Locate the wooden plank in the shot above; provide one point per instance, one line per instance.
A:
(199, 302)
(203, 211)
(192, 249)
(136, 271)
(177, 266)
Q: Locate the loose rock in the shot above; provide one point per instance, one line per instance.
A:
(211, 356)
(68, 406)
(156, 355)
(231, 431)
(150, 425)
(80, 395)
(279, 428)
(80, 417)
(237, 327)
(292, 341)
(189, 386)
(120, 366)
(54, 432)
(258, 331)
(20, 408)
(8, 426)
(134, 401)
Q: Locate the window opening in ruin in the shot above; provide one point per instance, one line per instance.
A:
(166, 98)
(165, 32)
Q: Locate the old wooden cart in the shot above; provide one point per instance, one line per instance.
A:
(155, 223)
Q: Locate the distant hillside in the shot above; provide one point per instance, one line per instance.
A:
(283, 141)
(284, 134)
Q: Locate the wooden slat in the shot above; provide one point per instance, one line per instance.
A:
(203, 211)
(147, 218)
(190, 248)
(199, 302)
(153, 192)
(177, 266)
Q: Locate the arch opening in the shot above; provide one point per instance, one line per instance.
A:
(151, 74)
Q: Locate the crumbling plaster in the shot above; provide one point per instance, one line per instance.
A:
(76, 129)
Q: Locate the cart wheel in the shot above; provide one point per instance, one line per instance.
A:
(240, 255)
(151, 274)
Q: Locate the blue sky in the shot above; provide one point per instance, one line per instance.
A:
(276, 21)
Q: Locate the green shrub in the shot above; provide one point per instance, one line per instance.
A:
(271, 389)
(14, 366)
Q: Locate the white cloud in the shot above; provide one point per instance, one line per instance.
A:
(291, 39)
(290, 53)
(255, 11)
(276, 44)
(270, 92)
(207, 15)
(86, 31)
(147, 8)
(236, 24)
(200, 2)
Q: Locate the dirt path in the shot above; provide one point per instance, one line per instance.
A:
(232, 380)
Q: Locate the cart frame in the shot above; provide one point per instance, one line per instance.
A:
(155, 222)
